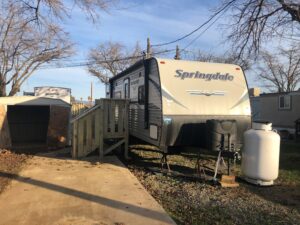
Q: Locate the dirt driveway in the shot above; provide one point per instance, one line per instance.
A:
(53, 189)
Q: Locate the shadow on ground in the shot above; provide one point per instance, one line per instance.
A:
(145, 212)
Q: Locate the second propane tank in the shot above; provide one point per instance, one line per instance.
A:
(260, 156)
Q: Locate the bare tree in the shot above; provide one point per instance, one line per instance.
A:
(41, 11)
(30, 36)
(24, 48)
(254, 22)
(229, 58)
(110, 58)
(280, 72)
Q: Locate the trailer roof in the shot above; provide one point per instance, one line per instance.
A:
(174, 62)
(31, 100)
(129, 69)
(279, 94)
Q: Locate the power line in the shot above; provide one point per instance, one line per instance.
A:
(164, 51)
(197, 37)
(93, 62)
(89, 63)
(84, 60)
(198, 28)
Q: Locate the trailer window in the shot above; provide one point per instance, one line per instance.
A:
(285, 102)
(141, 95)
(107, 88)
(126, 88)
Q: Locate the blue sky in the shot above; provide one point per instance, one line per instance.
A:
(130, 22)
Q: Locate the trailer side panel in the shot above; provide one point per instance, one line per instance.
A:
(132, 85)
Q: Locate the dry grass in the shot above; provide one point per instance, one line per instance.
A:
(12, 163)
(193, 201)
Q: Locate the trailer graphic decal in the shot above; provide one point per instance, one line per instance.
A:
(204, 76)
(206, 93)
(170, 98)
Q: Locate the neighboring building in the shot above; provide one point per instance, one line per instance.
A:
(54, 92)
(28, 93)
(282, 109)
(34, 120)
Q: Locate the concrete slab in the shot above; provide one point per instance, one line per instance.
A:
(71, 192)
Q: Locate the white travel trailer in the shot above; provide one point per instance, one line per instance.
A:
(172, 100)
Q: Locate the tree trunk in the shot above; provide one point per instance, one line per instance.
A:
(2, 89)
(14, 90)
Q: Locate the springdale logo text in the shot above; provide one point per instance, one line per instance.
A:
(205, 76)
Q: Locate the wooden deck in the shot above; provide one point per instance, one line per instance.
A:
(106, 122)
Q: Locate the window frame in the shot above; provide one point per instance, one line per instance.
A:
(126, 83)
(287, 102)
(141, 90)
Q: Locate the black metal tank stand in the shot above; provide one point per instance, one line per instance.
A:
(164, 161)
(200, 166)
(227, 152)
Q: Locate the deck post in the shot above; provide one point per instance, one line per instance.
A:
(126, 135)
(75, 141)
(101, 136)
(111, 118)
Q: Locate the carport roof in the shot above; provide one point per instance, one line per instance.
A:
(31, 100)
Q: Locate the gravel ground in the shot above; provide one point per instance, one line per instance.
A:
(190, 200)
(12, 163)
(196, 201)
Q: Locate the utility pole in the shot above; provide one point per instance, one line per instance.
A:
(92, 91)
(177, 55)
(148, 53)
(90, 98)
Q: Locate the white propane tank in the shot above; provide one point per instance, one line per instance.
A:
(260, 156)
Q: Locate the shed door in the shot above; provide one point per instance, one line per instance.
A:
(28, 124)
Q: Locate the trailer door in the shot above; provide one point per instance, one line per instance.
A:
(126, 88)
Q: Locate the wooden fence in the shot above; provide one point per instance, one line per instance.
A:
(103, 127)
(78, 108)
